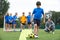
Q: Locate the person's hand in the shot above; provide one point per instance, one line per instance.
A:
(49, 26)
(44, 21)
(49, 29)
(44, 18)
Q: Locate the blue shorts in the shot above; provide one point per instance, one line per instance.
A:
(14, 22)
(10, 22)
(29, 23)
(7, 22)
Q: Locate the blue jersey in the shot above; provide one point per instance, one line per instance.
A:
(6, 18)
(28, 18)
(38, 13)
(10, 18)
(14, 18)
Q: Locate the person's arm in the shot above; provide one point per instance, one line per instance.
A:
(43, 15)
(46, 24)
(53, 23)
(44, 18)
(33, 15)
(25, 19)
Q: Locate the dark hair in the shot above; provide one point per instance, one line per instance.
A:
(7, 14)
(16, 13)
(50, 18)
(38, 3)
(29, 12)
(23, 13)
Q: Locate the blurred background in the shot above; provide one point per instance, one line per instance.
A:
(51, 9)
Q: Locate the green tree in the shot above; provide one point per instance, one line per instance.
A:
(4, 5)
(56, 17)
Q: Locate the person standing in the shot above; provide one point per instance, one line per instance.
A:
(7, 21)
(23, 21)
(37, 12)
(29, 20)
(14, 21)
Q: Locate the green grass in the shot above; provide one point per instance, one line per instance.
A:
(9, 35)
(42, 35)
(47, 36)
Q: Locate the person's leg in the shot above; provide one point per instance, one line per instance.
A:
(36, 28)
(14, 25)
(30, 26)
(6, 26)
(21, 27)
(38, 24)
(53, 29)
(45, 29)
(48, 29)
(11, 26)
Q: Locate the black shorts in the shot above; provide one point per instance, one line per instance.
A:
(23, 23)
(29, 23)
(36, 21)
(10, 23)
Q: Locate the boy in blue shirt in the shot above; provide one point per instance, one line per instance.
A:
(14, 21)
(6, 21)
(10, 20)
(29, 20)
(38, 12)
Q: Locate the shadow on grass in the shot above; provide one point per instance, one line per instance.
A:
(32, 38)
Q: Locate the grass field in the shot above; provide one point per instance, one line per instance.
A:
(42, 35)
(9, 35)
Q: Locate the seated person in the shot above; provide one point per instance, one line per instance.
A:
(49, 26)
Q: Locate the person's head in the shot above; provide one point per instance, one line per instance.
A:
(7, 14)
(29, 13)
(49, 19)
(16, 13)
(23, 13)
(10, 14)
(38, 4)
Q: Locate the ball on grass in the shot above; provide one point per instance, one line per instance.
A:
(31, 35)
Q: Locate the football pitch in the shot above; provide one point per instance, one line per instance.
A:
(42, 35)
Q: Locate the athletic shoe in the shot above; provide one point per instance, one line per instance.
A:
(36, 36)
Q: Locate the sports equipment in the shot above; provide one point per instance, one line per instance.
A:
(31, 35)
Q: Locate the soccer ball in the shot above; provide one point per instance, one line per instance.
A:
(31, 35)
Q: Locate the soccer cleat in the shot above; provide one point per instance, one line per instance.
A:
(36, 36)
